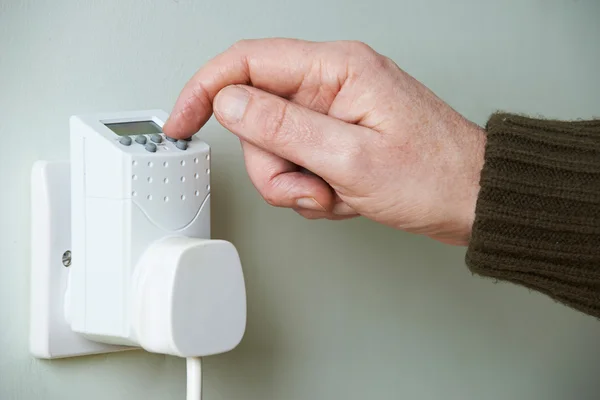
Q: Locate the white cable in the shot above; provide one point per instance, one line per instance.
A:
(194, 378)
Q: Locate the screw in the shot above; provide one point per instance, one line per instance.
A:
(66, 258)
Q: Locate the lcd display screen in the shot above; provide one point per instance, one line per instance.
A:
(134, 128)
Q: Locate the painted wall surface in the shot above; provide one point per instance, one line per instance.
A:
(349, 310)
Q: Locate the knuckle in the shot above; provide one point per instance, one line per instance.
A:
(364, 55)
(275, 191)
(380, 63)
(388, 62)
(240, 44)
(199, 96)
(359, 48)
(271, 198)
(351, 157)
(356, 160)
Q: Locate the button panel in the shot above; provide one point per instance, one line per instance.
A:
(155, 142)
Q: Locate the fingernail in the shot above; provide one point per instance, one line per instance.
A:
(310, 204)
(231, 104)
(343, 209)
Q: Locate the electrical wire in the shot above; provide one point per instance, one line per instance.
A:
(194, 378)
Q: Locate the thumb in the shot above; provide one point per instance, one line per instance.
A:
(324, 145)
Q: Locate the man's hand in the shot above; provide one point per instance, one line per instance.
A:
(378, 143)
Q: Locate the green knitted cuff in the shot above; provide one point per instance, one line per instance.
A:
(537, 219)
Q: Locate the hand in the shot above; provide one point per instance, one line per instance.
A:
(377, 142)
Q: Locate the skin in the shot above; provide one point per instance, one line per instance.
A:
(336, 130)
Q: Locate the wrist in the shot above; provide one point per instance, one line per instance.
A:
(473, 161)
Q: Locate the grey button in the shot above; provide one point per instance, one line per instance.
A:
(125, 140)
(170, 139)
(181, 144)
(188, 139)
(151, 147)
(141, 139)
(156, 138)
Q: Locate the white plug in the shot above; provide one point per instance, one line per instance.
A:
(189, 298)
(189, 301)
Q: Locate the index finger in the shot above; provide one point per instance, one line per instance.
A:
(277, 66)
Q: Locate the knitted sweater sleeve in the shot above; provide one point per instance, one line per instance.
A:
(537, 218)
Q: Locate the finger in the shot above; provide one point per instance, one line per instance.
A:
(313, 214)
(342, 208)
(282, 184)
(278, 66)
(326, 146)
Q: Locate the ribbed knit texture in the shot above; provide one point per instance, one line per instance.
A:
(537, 219)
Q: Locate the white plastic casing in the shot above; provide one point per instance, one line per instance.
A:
(189, 298)
(124, 199)
(144, 272)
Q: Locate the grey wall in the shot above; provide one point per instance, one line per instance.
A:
(347, 310)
